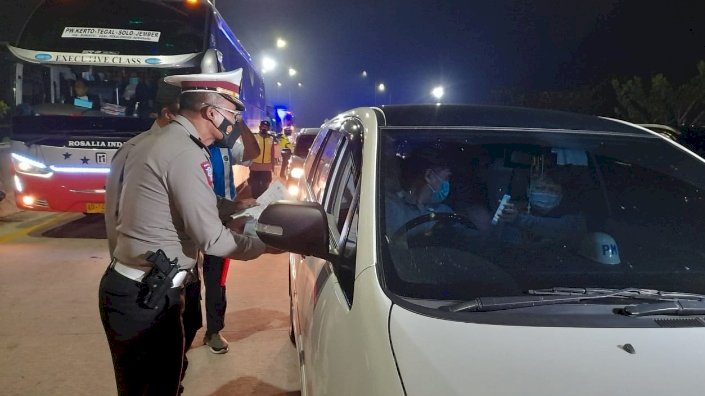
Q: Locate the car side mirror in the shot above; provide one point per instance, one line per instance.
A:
(297, 227)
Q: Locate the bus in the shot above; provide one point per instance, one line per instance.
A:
(85, 81)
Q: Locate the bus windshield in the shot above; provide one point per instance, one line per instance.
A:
(90, 91)
(135, 27)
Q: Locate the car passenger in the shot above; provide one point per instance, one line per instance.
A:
(547, 219)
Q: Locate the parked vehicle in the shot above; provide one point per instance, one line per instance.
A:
(85, 82)
(392, 294)
(295, 169)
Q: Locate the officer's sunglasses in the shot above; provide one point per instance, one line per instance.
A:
(235, 113)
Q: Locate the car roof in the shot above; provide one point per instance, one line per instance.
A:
(499, 117)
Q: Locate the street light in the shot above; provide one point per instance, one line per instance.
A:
(380, 88)
(281, 43)
(268, 64)
(377, 87)
(438, 92)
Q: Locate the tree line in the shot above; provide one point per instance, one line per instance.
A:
(654, 100)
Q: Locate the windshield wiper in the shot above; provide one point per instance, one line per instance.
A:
(681, 308)
(567, 295)
(630, 292)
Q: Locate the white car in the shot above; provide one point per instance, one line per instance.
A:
(589, 280)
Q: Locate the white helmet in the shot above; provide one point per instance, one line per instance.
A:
(600, 247)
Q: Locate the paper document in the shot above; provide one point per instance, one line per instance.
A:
(275, 192)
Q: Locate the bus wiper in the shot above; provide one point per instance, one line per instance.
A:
(565, 295)
(680, 308)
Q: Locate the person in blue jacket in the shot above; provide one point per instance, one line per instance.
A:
(231, 152)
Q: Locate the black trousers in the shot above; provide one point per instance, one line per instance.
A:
(259, 182)
(216, 301)
(285, 164)
(147, 345)
(192, 316)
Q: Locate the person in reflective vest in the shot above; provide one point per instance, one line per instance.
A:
(261, 167)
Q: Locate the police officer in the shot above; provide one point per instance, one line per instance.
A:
(262, 166)
(166, 202)
(286, 147)
(167, 101)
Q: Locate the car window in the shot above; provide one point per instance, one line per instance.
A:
(340, 203)
(315, 152)
(324, 165)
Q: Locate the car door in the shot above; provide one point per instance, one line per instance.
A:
(333, 182)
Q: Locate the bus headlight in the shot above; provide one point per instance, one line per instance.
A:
(29, 166)
(296, 173)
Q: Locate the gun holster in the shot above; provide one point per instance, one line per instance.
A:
(159, 279)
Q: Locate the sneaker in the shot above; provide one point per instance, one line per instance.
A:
(216, 342)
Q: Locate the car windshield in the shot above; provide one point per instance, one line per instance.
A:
(582, 210)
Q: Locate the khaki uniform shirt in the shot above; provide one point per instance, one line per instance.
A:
(113, 185)
(167, 202)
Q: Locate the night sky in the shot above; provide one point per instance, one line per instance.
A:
(471, 47)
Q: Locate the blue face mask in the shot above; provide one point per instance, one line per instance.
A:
(134, 80)
(544, 201)
(442, 193)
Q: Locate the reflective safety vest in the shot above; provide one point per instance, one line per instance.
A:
(265, 159)
(285, 143)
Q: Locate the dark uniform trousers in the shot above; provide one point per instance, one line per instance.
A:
(216, 301)
(147, 345)
(259, 182)
(192, 315)
(285, 164)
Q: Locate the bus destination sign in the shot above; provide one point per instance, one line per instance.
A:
(110, 34)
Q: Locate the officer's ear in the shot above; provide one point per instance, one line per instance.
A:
(208, 113)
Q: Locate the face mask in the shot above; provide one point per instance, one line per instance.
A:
(544, 201)
(230, 134)
(134, 80)
(442, 192)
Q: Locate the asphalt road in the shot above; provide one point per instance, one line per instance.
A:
(52, 341)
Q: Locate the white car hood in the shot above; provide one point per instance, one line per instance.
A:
(441, 357)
